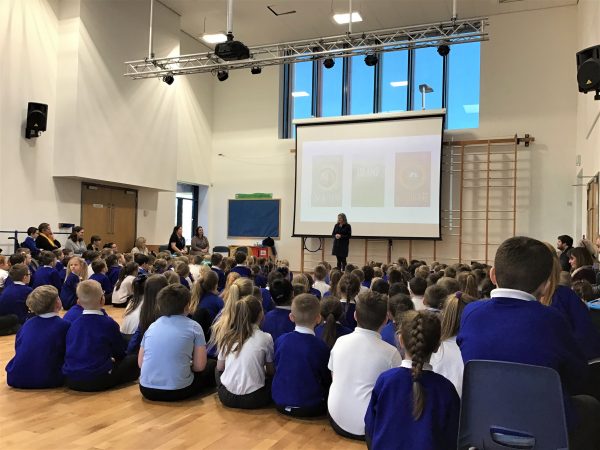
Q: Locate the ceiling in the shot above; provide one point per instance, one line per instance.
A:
(254, 24)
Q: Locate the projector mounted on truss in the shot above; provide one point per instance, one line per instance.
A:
(234, 54)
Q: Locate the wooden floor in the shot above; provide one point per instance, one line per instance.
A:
(59, 418)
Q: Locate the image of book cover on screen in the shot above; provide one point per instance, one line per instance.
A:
(413, 179)
(368, 183)
(327, 181)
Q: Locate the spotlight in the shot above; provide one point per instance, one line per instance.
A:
(222, 75)
(328, 63)
(371, 59)
(256, 70)
(443, 50)
(168, 79)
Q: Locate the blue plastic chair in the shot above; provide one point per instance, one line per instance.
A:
(511, 406)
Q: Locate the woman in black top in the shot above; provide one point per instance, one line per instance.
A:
(177, 241)
(342, 231)
(45, 240)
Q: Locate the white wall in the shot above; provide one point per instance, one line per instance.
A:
(588, 110)
(526, 87)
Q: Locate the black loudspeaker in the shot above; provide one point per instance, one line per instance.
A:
(588, 70)
(37, 115)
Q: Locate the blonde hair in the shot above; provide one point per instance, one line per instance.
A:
(139, 242)
(42, 299)
(172, 277)
(84, 268)
(305, 309)
(89, 294)
(467, 283)
(300, 284)
(553, 279)
(244, 315)
(231, 278)
(241, 287)
(452, 312)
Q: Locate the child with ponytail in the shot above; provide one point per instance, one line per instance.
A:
(245, 355)
(206, 300)
(467, 283)
(412, 406)
(330, 329)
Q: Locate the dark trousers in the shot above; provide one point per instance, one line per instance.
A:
(343, 432)
(120, 305)
(585, 435)
(202, 381)
(341, 262)
(123, 371)
(304, 411)
(254, 400)
(9, 324)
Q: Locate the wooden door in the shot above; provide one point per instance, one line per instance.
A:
(110, 213)
(592, 209)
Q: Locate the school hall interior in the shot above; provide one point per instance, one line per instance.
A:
(155, 143)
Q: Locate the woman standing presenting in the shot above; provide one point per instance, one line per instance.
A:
(342, 231)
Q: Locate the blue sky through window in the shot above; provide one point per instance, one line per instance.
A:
(429, 70)
(331, 97)
(394, 81)
(302, 90)
(362, 86)
(463, 86)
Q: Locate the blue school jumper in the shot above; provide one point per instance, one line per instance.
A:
(184, 282)
(244, 271)
(212, 303)
(277, 322)
(75, 313)
(12, 300)
(340, 330)
(315, 292)
(92, 341)
(578, 315)
(388, 334)
(302, 378)
(33, 274)
(107, 286)
(347, 318)
(260, 281)
(113, 274)
(47, 275)
(29, 243)
(222, 279)
(68, 294)
(267, 301)
(513, 326)
(389, 422)
(62, 270)
(39, 353)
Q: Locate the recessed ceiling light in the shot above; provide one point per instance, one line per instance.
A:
(398, 83)
(300, 94)
(345, 18)
(216, 38)
(471, 109)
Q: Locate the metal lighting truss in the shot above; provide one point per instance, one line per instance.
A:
(350, 44)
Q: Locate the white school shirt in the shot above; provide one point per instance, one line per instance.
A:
(245, 371)
(322, 287)
(418, 302)
(363, 289)
(131, 320)
(356, 362)
(3, 277)
(195, 271)
(125, 290)
(448, 362)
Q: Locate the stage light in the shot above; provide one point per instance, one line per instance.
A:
(256, 70)
(371, 59)
(328, 63)
(222, 75)
(169, 78)
(443, 50)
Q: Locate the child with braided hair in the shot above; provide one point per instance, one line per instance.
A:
(412, 406)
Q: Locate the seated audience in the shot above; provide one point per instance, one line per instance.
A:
(320, 274)
(40, 344)
(123, 290)
(348, 288)
(330, 328)
(240, 265)
(140, 247)
(411, 406)
(13, 299)
(216, 263)
(356, 361)
(416, 287)
(277, 321)
(100, 270)
(131, 317)
(581, 265)
(45, 239)
(199, 245)
(76, 272)
(47, 273)
(301, 380)
(95, 351)
(95, 243)
(467, 283)
(434, 298)
(75, 241)
(167, 348)
(177, 241)
(206, 301)
(29, 242)
(397, 304)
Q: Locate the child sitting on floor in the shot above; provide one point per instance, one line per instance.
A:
(302, 380)
(330, 329)
(13, 298)
(77, 271)
(40, 344)
(277, 321)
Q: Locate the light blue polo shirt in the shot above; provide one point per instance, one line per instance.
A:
(168, 346)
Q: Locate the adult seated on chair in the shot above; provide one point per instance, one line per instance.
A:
(514, 326)
(45, 240)
(200, 245)
(177, 241)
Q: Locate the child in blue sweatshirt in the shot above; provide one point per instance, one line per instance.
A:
(302, 379)
(47, 273)
(95, 350)
(277, 321)
(240, 265)
(14, 295)
(397, 304)
(77, 270)
(40, 344)
(411, 406)
(99, 268)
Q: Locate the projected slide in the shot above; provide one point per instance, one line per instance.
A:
(383, 174)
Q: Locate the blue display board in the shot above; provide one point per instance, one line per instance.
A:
(253, 218)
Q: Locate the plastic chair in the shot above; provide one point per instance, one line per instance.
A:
(163, 248)
(511, 406)
(242, 250)
(220, 249)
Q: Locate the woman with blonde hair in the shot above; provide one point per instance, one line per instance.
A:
(140, 246)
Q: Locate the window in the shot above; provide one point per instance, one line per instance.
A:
(186, 210)
(331, 89)
(394, 82)
(352, 87)
(463, 86)
(362, 86)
